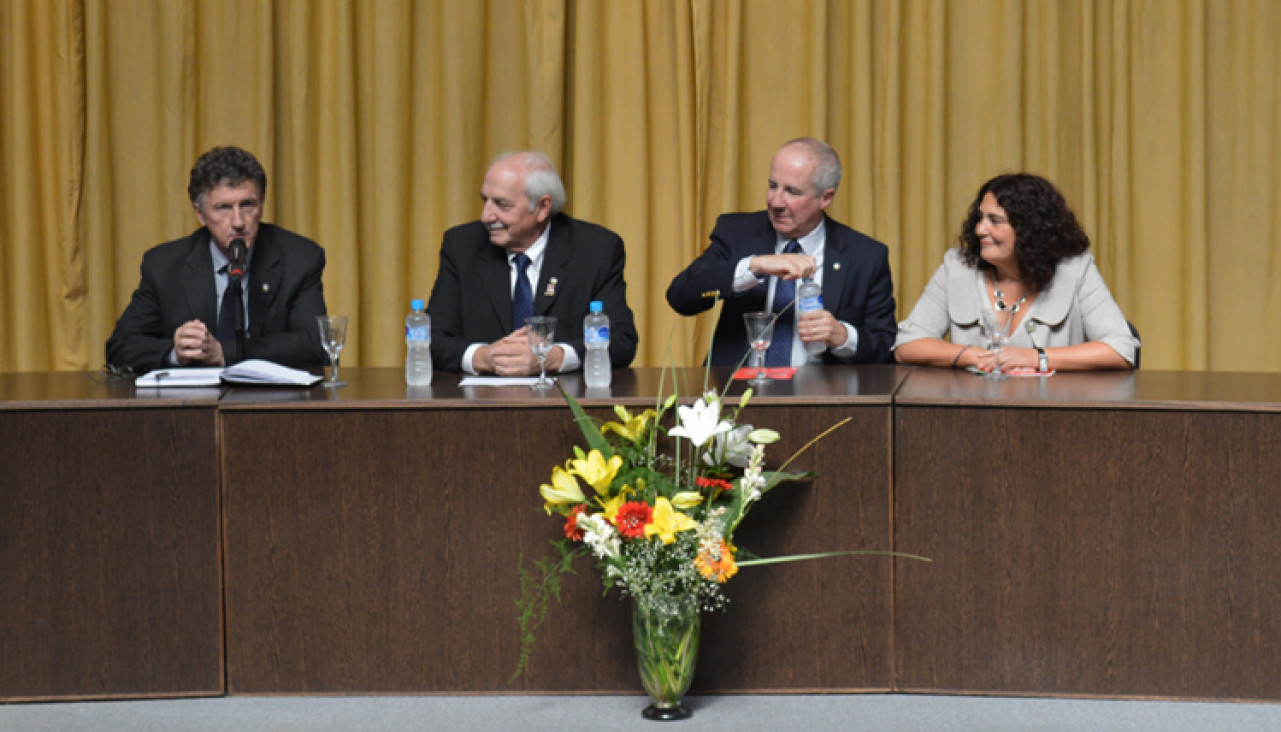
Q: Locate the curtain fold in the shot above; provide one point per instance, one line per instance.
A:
(1159, 120)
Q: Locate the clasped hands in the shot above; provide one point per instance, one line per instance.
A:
(193, 342)
(816, 325)
(512, 356)
(1010, 357)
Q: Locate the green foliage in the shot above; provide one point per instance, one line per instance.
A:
(536, 590)
(668, 487)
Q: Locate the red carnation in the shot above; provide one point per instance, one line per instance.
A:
(572, 532)
(632, 519)
(713, 483)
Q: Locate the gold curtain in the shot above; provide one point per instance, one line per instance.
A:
(376, 120)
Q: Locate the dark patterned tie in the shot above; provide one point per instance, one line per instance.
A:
(227, 312)
(522, 296)
(780, 348)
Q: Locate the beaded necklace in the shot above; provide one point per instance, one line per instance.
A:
(1000, 300)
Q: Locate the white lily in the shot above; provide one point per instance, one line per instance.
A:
(731, 447)
(700, 422)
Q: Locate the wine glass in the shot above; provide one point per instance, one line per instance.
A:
(996, 329)
(760, 331)
(333, 334)
(541, 330)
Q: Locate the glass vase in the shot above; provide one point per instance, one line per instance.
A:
(666, 633)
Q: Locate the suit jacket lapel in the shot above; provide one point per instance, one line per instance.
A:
(836, 266)
(198, 282)
(766, 240)
(264, 279)
(556, 260)
(494, 274)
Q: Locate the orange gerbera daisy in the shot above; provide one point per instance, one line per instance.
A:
(572, 532)
(724, 485)
(716, 564)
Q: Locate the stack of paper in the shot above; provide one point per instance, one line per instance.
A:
(253, 371)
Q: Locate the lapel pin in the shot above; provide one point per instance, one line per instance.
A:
(836, 265)
(551, 288)
(266, 287)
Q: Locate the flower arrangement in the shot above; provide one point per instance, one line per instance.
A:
(654, 499)
(661, 525)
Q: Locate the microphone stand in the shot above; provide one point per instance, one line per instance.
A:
(236, 270)
(239, 310)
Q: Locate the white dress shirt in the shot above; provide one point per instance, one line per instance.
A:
(813, 245)
(532, 272)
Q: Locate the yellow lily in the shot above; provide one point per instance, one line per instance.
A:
(609, 508)
(596, 471)
(687, 499)
(667, 521)
(563, 490)
(631, 428)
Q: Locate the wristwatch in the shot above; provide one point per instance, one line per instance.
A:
(1042, 361)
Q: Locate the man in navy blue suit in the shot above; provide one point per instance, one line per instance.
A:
(755, 260)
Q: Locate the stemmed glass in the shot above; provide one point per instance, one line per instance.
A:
(996, 329)
(541, 330)
(760, 331)
(333, 334)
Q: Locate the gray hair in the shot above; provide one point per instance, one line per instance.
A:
(541, 178)
(827, 174)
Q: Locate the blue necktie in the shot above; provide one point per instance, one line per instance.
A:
(780, 348)
(522, 296)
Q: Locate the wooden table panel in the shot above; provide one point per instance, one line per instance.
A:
(108, 541)
(372, 545)
(1127, 551)
(820, 625)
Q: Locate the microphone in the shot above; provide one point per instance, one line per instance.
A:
(236, 254)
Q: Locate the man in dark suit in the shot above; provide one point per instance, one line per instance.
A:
(755, 256)
(524, 257)
(179, 316)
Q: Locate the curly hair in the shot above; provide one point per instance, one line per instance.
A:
(1046, 231)
(229, 166)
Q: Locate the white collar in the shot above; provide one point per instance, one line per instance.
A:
(537, 249)
(811, 243)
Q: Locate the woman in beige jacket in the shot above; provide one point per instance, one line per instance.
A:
(1024, 258)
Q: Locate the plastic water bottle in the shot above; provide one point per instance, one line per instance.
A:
(809, 296)
(418, 346)
(596, 367)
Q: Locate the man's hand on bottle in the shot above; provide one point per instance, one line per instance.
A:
(821, 325)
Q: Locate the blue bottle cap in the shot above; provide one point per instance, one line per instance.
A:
(595, 306)
(416, 304)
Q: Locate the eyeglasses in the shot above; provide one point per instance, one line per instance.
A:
(111, 373)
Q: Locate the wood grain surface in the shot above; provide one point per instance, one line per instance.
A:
(375, 550)
(109, 547)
